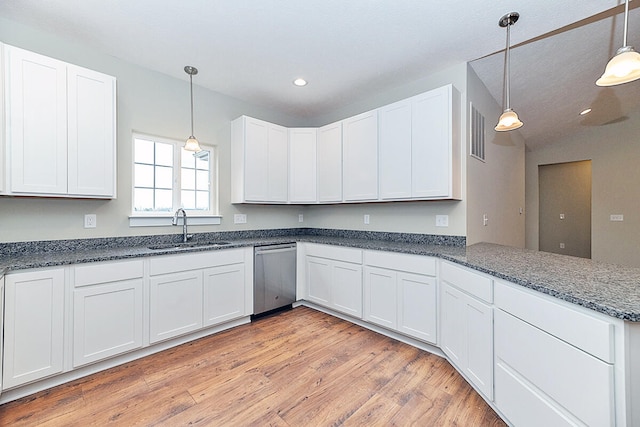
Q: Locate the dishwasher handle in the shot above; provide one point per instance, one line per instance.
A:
(274, 249)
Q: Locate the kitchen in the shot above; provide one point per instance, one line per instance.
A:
(143, 106)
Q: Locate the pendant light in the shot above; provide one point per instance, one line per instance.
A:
(624, 67)
(192, 143)
(509, 119)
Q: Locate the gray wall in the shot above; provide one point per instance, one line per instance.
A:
(154, 103)
(495, 187)
(564, 217)
(148, 102)
(614, 151)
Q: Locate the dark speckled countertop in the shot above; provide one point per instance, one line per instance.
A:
(606, 288)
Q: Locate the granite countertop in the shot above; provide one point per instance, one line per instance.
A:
(606, 288)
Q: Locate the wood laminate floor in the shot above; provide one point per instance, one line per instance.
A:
(297, 368)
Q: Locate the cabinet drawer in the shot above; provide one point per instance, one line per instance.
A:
(334, 252)
(593, 335)
(401, 262)
(105, 272)
(193, 261)
(472, 283)
(555, 372)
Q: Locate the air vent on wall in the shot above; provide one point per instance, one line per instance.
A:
(477, 134)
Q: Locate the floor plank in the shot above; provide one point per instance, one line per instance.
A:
(297, 368)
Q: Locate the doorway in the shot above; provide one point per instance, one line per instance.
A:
(564, 192)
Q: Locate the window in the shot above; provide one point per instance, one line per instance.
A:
(167, 177)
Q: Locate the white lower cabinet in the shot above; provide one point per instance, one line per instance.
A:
(397, 297)
(190, 291)
(554, 364)
(334, 278)
(467, 324)
(107, 310)
(175, 305)
(224, 293)
(34, 326)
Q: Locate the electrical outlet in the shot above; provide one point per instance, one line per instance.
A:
(485, 219)
(90, 221)
(561, 245)
(616, 217)
(300, 218)
(442, 220)
(240, 218)
(366, 218)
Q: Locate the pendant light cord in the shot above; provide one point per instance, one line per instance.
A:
(505, 89)
(626, 20)
(191, 86)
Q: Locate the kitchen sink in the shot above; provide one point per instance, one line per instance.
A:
(187, 245)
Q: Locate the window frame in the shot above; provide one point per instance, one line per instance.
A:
(161, 218)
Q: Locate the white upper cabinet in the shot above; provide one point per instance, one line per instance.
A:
(435, 145)
(61, 122)
(302, 165)
(409, 150)
(329, 163)
(91, 137)
(260, 161)
(360, 157)
(419, 155)
(395, 150)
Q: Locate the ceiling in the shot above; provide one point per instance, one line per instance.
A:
(347, 50)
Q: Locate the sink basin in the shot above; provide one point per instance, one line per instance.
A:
(187, 245)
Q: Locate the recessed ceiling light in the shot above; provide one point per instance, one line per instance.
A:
(587, 111)
(300, 82)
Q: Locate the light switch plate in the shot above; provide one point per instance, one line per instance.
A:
(616, 217)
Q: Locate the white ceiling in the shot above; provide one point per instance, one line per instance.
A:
(347, 50)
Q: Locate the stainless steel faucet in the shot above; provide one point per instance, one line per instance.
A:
(185, 236)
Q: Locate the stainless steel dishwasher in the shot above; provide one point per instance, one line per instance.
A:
(274, 277)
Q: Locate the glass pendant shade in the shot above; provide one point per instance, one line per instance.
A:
(508, 121)
(192, 143)
(622, 68)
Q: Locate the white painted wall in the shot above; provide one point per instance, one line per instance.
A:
(495, 187)
(614, 151)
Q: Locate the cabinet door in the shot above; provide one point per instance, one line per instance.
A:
(346, 288)
(467, 337)
(329, 163)
(417, 308)
(380, 297)
(224, 294)
(360, 157)
(431, 148)
(453, 339)
(256, 153)
(175, 304)
(302, 162)
(34, 323)
(395, 150)
(37, 122)
(278, 167)
(91, 137)
(107, 320)
(319, 276)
